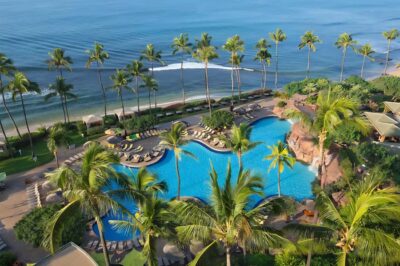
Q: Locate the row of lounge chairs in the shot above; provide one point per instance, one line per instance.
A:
(216, 142)
(150, 133)
(74, 158)
(95, 245)
(131, 148)
(201, 135)
(33, 196)
(137, 158)
(248, 116)
(3, 245)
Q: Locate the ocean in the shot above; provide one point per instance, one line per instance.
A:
(30, 29)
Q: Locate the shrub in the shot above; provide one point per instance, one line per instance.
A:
(95, 130)
(31, 227)
(82, 129)
(281, 104)
(18, 143)
(7, 258)
(110, 120)
(389, 85)
(219, 119)
(306, 86)
(289, 260)
(141, 123)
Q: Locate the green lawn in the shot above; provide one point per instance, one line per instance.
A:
(133, 258)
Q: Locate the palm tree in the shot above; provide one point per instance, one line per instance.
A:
(59, 61)
(182, 45)
(227, 221)
(5, 137)
(174, 140)
(152, 56)
(357, 227)
(205, 52)
(239, 141)
(120, 80)
(18, 86)
(6, 69)
(233, 45)
(331, 112)
(309, 39)
(84, 191)
(58, 137)
(344, 41)
(61, 89)
(366, 51)
(98, 56)
(154, 221)
(389, 36)
(135, 69)
(277, 37)
(280, 158)
(151, 85)
(236, 61)
(264, 57)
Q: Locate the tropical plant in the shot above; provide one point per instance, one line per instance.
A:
(121, 80)
(84, 190)
(234, 45)
(181, 45)
(279, 157)
(205, 52)
(58, 137)
(174, 140)
(18, 86)
(151, 85)
(135, 69)
(98, 56)
(264, 57)
(63, 90)
(219, 119)
(344, 41)
(277, 37)
(366, 51)
(309, 39)
(239, 141)
(227, 221)
(152, 56)
(59, 61)
(389, 36)
(331, 112)
(6, 69)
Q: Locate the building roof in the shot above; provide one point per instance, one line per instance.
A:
(119, 112)
(386, 125)
(91, 119)
(69, 254)
(393, 107)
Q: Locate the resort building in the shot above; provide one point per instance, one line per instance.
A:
(92, 121)
(386, 124)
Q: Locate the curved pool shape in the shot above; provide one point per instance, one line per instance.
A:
(295, 182)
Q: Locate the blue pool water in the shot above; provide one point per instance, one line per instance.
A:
(295, 182)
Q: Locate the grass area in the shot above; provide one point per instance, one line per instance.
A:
(132, 258)
(98, 258)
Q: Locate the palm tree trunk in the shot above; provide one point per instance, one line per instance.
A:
(137, 94)
(155, 98)
(102, 240)
(182, 82)
(264, 78)
(279, 181)
(238, 81)
(228, 256)
(308, 62)
(63, 108)
(387, 57)
(362, 67)
(207, 89)
(239, 155)
(342, 67)
(66, 108)
(102, 88)
(5, 137)
(232, 86)
(149, 100)
(310, 250)
(276, 65)
(27, 125)
(178, 175)
(56, 157)
(123, 110)
(322, 138)
(8, 112)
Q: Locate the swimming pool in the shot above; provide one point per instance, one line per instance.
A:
(295, 182)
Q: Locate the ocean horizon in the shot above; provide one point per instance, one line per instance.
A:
(125, 27)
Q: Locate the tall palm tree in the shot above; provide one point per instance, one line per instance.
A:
(389, 36)
(277, 37)
(264, 57)
(237, 61)
(59, 61)
(239, 141)
(135, 69)
(6, 69)
(344, 41)
(58, 137)
(121, 80)
(151, 85)
(63, 90)
(152, 56)
(18, 86)
(366, 51)
(98, 56)
(357, 227)
(181, 45)
(205, 52)
(154, 221)
(331, 112)
(174, 140)
(280, 158)
(84, 190)
(227, 221)
(233, 45)
(5, 137)
(309, 39)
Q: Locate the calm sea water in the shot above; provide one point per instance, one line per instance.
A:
(30, 29)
